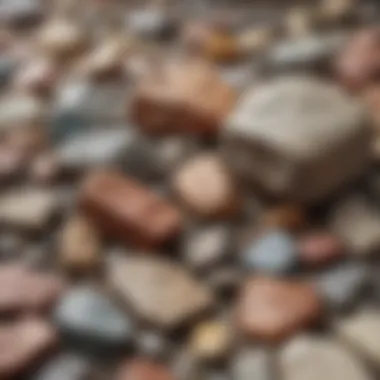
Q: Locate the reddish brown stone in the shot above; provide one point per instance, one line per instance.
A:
(272, 310)
(23, 343)
(320, 248)
(124, 209)
(182, 97)
(289, 216)
(359, 63)
(144, 369)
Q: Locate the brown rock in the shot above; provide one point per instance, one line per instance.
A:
(182, 97)
(23, 343)
(205, 186)
(272, 309)
(144, 369)
(320, 247)
(124, 209)
(79, 245)
(358, 65)
(45, 168)
(288, 216)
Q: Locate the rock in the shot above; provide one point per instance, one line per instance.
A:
(152, 344)
(89, 318)
(143, 369)
(26, 290)
(28, 209)
(22, 344)
(254, 141)
(175, 100)
(337, 11)
(63, 367)
(311, 358)
(357, 65)
(341, 286)
(93, 148)
(79, 245)
(207, 246)
(254, 40)
(8, 64)
(357, 222)
(299, 21)
(45, 169)
(127, 210)
(216, 198)
(211, 341)
(272, 310)
(320, 247)
(225, 280)
(252, 363)
(21, 12)
(159, 291)
(274, 252)
(310, 52)
(21, 111)
(289, 217)
(361, 332)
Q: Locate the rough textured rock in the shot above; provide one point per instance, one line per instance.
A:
(309, 358)
(143, 369)
(282, 128)
(159, 291)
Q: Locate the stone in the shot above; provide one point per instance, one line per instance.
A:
(299, 21)
(337, 11)
(45, 169)
(272, 309)
(175, 101)
(143, 369)
(254, 40)
(320, 247)
(274, 252)
(277, 128)
(309, 52)
(357, 65)
(24, 343)
(80, 246)
(21, 12)
(152, 344)
(251, 363)
(63, 367)
(206, 247)
(216, 197)
(288, 216)
(159, 291)
(28, 208)
(21, 111)
(122, 208)
(313, 358)
(357, 222)
(26, 290)
(8, 65)
(225, 280)
(342, 285)
(89, 318)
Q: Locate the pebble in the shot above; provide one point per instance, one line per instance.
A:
(319, 248)
(63, 367)
(274, 252)
(311, 358)
(159, 291)
(21, 12)
(143, 369)
(342, 285)
(272, 310)
(144, 220)
(156, 110)
(88, 317)
(80, 245)
(252, 363)
(204, 185)
(152, 344)
(288, 217)
(361, 331)
(211, 341)
(28, 209)
(255, 40)
(255, 141)
(336, 11)
(299, 21)
(206, 247)
(357, 222)
(22, 344)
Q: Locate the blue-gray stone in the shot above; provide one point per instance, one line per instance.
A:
(90, 319)
(273, 253)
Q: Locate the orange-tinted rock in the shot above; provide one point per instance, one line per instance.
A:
(205, 186)
(272, 310)
(287, 216)
(23, 343)
(122, 208)
(320, 248)
(358, 65)
(187, 97)
(144, 369)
